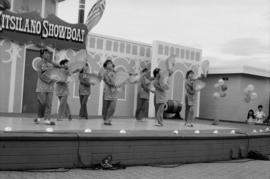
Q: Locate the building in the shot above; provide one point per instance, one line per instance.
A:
(18, 79)
(233, 107)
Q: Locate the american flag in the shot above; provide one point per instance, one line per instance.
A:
(95, 14)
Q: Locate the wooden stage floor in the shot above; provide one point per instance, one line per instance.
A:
(25, 124)
(30, 146)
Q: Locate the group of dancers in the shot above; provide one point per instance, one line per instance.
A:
(158, 84)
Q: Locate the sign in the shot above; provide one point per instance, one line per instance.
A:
(52, 31)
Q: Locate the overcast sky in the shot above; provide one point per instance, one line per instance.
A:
(230, 32)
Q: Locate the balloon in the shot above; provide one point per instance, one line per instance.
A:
(253, 95)
(250, 87)
(224, 87)
(222, 94)
(247, 99)
(216, 95)
(216, 85)
(221, 82)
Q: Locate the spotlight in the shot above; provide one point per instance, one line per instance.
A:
(8, 129)
(175, 132)
(260, 130)
(49, 129)
(254, 131)
(87, 130)
(196, 131)
(267, 129)
(123, 131)
(215, 132)
(232, 132)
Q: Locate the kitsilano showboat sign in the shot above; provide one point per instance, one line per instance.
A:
(52, 31)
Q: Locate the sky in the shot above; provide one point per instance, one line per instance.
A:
(229, 32)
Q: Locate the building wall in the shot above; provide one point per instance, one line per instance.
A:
(262, 88)
(233, 107)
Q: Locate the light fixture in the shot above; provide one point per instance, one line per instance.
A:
(215, 132)
(87, 130)
(254, 131)
(232, 132)
(49, 129)
(123, 131)
(175, 132)
(260, 130)
(7, 129)
(196, 131)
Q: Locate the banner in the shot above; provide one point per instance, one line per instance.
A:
(31, 28)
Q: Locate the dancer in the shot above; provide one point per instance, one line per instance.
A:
(143, 95)
(110, 92)
(45, 88)
(189, 98)
(62, 93)
(84, 91)
(161, 93)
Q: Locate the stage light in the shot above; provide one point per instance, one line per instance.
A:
(215, 132)
(267, 129)
(87, 130)
(260, 130)
(49, 129)
(232, 132)
(123, 131)
(254, 131)
(7, 129)
(175, 132)
(196, 131)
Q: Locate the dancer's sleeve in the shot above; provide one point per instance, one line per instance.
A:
(109, 80)
(145, 85)
(158, 86)
(84, 81)
(190, 89)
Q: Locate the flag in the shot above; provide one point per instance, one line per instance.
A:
(95, 14)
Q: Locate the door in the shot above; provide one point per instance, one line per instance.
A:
(30, 80)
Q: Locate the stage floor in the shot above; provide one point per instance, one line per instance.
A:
(24, 124)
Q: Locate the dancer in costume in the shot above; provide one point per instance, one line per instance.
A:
(45, 88)
(84, 91)
(110, 92)
(62, 93)
(143, 95)
(161, 93)
(189, 98)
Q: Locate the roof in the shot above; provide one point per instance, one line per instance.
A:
(240, 70)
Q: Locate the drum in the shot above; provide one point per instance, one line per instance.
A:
(173, 106)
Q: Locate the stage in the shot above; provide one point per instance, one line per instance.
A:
(82, 143)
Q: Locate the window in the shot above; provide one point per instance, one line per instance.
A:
(92, 42)
(108, 45)
(27, 6)
(115, 46)
(160, 49)
(99, 43)
(50, 7)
